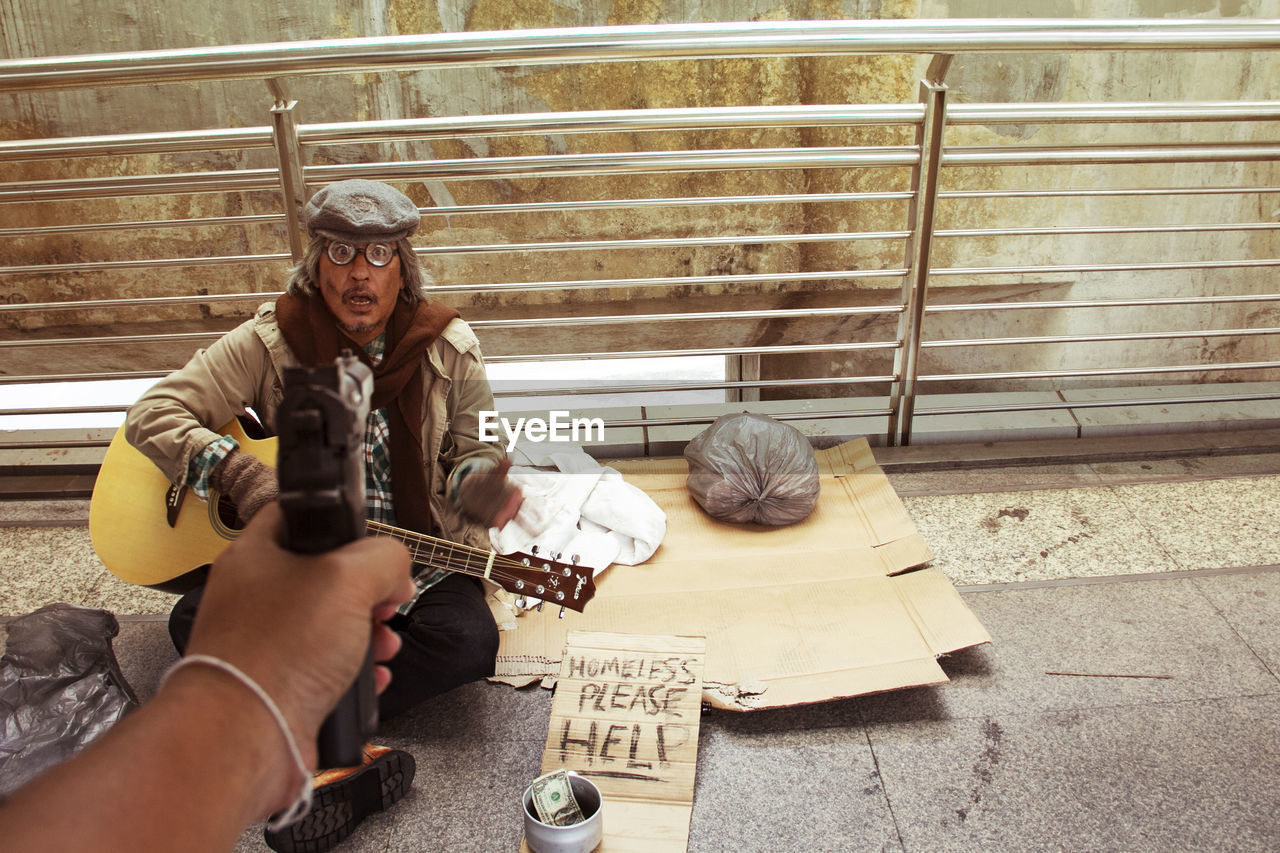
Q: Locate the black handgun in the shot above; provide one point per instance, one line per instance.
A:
(320, 462)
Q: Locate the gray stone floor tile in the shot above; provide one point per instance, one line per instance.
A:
(144, 651)
(1004, 537)
(819, 715)
(477, 711)
(466, 798)
(1212, 523)
(1250, 604)
(815, 790)
(1136, 628)
(1178, 776)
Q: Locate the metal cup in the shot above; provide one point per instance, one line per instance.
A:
(578, 838)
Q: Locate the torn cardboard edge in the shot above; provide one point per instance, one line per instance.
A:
(837, 605)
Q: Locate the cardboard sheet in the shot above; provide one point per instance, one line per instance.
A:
(834, 606)
(626, 715)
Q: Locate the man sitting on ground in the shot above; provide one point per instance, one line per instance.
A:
(359, 287)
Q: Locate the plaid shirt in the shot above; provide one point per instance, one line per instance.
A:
(202, 464)
(379, 502)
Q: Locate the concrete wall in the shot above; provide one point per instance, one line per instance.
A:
(33, 28)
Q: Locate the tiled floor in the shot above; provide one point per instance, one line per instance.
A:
(1005, 757)
(1154, 582)
(999, 537)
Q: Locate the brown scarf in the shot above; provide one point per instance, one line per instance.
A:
(312, 332)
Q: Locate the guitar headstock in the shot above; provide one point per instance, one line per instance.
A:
(564, 584)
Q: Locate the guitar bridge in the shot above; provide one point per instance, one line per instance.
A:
(173, 503)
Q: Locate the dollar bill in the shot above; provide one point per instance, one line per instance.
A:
(554, 801)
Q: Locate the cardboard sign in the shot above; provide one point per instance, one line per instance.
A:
(626, 715)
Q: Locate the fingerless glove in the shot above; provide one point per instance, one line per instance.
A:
(250, 483)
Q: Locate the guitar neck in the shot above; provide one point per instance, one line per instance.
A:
(435, 552)
(543, 577)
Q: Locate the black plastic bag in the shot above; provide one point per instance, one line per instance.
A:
(747, 467)
(60, 688)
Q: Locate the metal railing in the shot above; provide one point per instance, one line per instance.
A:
(916, 182)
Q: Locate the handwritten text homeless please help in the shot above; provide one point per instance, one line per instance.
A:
(647, 696)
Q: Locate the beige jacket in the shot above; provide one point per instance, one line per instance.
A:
(176, 419)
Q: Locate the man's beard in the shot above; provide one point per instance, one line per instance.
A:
(357, 329)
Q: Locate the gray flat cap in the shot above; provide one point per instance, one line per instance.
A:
(358, 211)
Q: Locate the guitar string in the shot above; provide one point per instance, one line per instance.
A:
(409, 539)
(434, 556)
(463, 561)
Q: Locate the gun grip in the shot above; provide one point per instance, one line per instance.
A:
(353, 720)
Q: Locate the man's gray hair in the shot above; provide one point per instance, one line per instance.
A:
(304, 279)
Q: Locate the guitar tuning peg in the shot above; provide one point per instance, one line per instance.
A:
(533, 550)
(575, 558)
(556, 557)
(522, 602)
(561, 616)
(539, 607)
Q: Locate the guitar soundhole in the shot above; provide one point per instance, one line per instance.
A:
(227, 521)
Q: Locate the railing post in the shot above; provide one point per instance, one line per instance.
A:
(920, 216)
(742, 368)
(284, 132)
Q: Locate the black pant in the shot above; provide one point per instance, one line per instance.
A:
(449, 638)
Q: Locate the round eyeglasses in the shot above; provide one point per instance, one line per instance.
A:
(377, 254)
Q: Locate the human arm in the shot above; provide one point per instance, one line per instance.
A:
(204, 758)
(177, 418)
(172, 423)
(477, 483)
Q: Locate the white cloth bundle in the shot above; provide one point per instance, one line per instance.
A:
(581, 508)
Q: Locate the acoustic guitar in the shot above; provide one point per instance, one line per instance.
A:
(149, 532)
